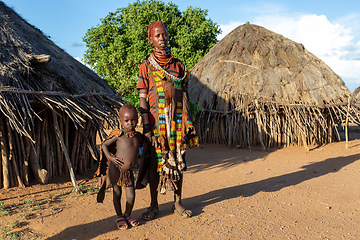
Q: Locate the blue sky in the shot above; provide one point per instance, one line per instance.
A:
(329, 29)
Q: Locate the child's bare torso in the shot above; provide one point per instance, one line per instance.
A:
(127, 148)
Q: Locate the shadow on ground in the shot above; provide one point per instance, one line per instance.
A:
(272, 184)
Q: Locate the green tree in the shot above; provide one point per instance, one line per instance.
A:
(117, 46)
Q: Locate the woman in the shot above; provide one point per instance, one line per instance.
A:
(164, 108)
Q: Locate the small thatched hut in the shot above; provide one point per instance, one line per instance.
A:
(50, 111)
(258, 87)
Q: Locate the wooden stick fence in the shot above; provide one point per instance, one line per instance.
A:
(271, 125)
(23, 160)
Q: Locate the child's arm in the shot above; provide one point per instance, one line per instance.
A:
(105, 148)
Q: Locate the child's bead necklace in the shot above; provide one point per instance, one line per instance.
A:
(130, 134)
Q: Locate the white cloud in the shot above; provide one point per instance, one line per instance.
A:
(81, 60)
(332, 42)
(227, 28)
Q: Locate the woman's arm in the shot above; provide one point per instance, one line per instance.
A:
(144, 111)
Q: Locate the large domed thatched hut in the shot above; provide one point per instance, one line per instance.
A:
(50, 110)
(356, 94)
(258, 87)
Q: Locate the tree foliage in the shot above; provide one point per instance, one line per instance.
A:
(117, 46)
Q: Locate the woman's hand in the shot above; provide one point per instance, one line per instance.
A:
(148, 135)
(154, 140)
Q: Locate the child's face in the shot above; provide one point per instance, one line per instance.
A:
(159, 38)
(128, 119)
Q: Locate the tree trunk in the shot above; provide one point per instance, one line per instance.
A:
(41, 175)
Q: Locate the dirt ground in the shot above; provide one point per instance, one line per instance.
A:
(234, 193)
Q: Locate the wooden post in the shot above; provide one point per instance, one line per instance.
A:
(61, 139)
(259, 124)
(347, 124)
(4, 155)
(12, 158)
(41, 175)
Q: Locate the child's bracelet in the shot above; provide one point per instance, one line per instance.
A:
(109, 157)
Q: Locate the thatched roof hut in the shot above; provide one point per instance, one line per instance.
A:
(356, 94)
(258, 87)
(51, 106)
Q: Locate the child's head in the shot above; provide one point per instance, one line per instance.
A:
(128, 117)
(158, 35)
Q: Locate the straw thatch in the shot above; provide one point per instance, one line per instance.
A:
(51, 106)
(356, 94)
(258, 87)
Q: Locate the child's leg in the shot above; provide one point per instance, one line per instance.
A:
(130, 199)
(130, 196)
(114, 174)
(117, 199)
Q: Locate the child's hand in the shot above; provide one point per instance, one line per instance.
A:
(117, 161)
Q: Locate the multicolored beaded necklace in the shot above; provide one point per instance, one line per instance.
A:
(130, 134)
(163, 63)
(171, 78)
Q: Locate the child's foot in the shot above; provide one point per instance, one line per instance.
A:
(122, 223)
(132, 222)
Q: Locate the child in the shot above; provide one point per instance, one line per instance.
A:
(120, 164)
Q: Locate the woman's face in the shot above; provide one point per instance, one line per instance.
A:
(159, 38)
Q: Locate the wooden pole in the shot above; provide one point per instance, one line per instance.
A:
(259, 124)
(347, 124)
(41, 175)
(4, 155)
(27, 148)
(58, 150)
(24, 169)
(12, 158)
(61, 139)
(66, 132)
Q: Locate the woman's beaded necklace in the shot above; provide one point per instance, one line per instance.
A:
(163, 63)
(171, 78)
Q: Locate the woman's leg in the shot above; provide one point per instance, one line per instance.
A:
(178, 208)
(153, 210)
(153, 179)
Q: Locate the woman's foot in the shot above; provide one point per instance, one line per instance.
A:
(122, 223)
(150, 214)
(132, 222)
(181, 211)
